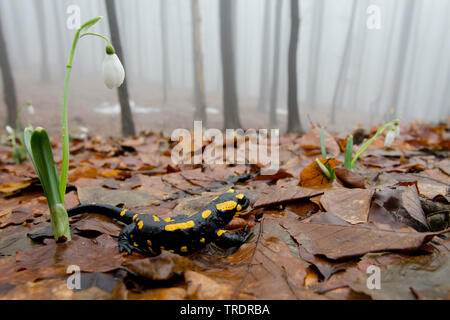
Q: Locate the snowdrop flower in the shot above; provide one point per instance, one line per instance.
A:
(9, 130)
(113, 72)
(393, 133)
(30, 109)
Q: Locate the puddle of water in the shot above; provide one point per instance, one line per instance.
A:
(108, 108)
(212, 111)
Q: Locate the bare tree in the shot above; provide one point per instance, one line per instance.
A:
(9, 89)
(406, 37)
(265, 41)
(199, 82)
(230, 99)
(125, 114)
(275, 65)
(293, 116)
(314, 52)
(164, 48)
(338, 90)
(43, 44)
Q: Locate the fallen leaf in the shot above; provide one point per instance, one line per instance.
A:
(339, 242)
(276, 195)
(351, 205)
(398, 206)
(313, 177)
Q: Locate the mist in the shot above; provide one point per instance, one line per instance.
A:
(401, 67)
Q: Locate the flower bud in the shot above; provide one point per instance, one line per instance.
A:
(113, 71)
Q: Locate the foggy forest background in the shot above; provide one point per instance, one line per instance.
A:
(365, 75)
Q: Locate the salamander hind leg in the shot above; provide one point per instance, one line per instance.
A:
(226, 239)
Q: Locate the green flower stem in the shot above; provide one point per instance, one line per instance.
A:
(65, 123)
(322, 143)
(371, 140)
(96, 34)
(348, 153)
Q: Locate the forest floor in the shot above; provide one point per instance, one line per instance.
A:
(313, 238)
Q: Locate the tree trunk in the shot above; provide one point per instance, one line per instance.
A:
(9, 89)
(43, 44)
(344, 64)
(275, 65)
(406, 37)
(59, 25)
(125, 110)
(164, 48)
(199, 82)
(293, 117)
(230, 99)
(314, 53)
(265, 40)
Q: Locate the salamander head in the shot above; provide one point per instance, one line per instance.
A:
(231, 203)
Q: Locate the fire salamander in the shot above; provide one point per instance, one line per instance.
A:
(183, 234)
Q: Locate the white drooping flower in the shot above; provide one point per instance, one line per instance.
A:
(393, 133)
(9, 130)
(113, 71)
(30, 109)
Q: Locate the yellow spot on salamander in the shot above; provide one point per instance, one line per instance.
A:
(168, 219)
(240, 196)
(149, 242)
(230, 190)
(122, 213)
(221, 232)
(140, 224)
(135, 216)
(206, 213)
(162, 248)
(226, 206)
(155, 218)
(171, 251)
(135, 244)
(239, 207)
(202, 240)
(182, 225)
(183, 249)
(131, 236)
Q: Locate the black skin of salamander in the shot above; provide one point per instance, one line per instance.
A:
(147, 234)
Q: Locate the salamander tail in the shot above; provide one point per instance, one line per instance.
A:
(120, 214)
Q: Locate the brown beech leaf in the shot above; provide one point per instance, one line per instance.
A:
(407, 277)
(17, 216)
(121, 292)
(98, 222)
(162, 267)
(11, 188)
(98, 255)
(313, 177)
(201, 287)
(351, 205)
(349, 178)
(270, 272)
(339, 242)
(398, 206)
(130, 198)
(311, 140)
(51, 289)
(277, 195)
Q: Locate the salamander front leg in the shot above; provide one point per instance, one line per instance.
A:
(125, 240)
(226, 239)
